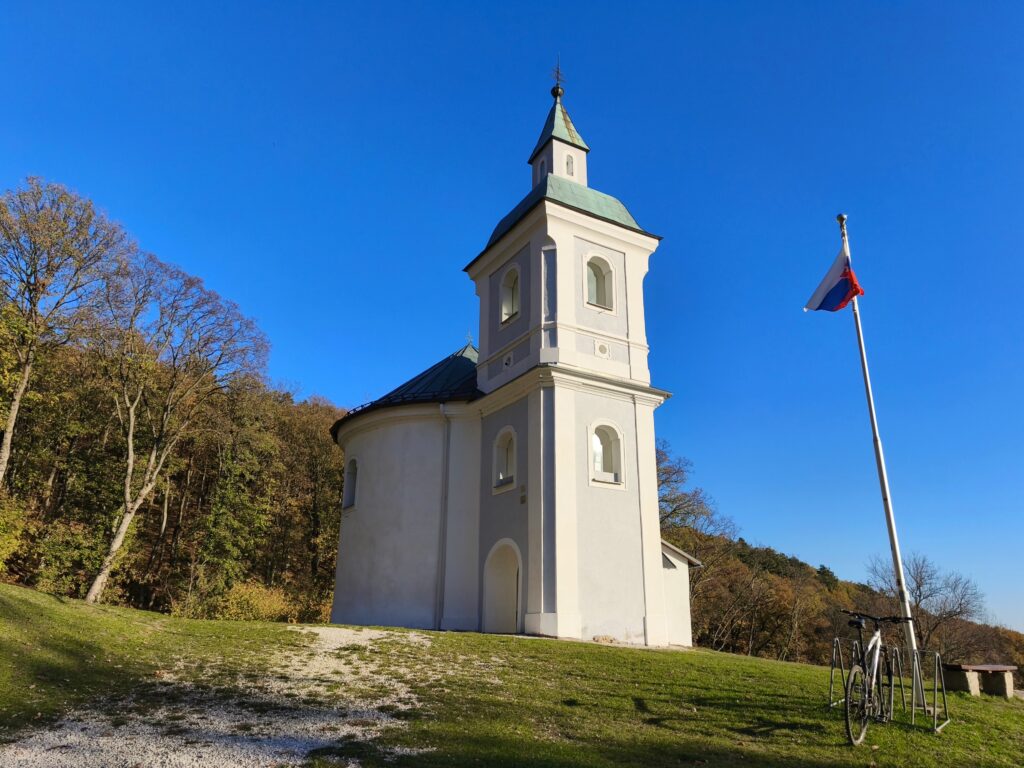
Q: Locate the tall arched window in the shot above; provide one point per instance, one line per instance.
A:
(505, 458)
(568, 165)
(510, 295)
(606, 454)
(599, 283)
(351, 478)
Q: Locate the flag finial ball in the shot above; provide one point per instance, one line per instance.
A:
(841, 218)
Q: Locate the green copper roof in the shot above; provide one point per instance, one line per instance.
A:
(558, 126)
(572, 195)
(453, 378)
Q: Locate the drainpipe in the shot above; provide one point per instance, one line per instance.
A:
(442, 534)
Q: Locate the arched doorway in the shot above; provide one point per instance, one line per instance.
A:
(501, 589)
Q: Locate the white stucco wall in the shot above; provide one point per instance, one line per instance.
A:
(460, 609)
(552, 158)
(611, 583)
(389, 541)
(676, 573)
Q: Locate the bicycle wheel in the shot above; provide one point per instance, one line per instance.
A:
(857, 705)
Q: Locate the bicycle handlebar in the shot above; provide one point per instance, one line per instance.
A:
(876, 619)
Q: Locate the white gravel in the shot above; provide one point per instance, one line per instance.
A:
(268, 722)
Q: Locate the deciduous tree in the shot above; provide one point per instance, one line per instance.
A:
(167, 346)
(55, 250)
(938, 598)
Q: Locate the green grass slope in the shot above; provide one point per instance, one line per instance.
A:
(499, 701)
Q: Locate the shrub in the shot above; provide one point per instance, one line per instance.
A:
(252, 601)
(314, 609)
(69, 556)
(13, 521)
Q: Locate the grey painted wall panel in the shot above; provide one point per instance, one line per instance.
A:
(504, 515)
(501, 334)
(550, 481)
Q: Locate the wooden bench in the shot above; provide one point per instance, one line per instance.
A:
(994, 679)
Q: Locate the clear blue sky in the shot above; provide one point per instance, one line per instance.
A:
(333, 167)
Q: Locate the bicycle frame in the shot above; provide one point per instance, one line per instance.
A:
(874, 650)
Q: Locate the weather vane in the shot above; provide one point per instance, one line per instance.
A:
(556, 73)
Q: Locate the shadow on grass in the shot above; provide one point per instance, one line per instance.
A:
(53, 666)
(512, 752)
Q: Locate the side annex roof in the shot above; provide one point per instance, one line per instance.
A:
(451, 379)
(687, 557)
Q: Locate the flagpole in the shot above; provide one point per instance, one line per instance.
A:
(883, 477)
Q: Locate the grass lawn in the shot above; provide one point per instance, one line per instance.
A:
(496, 701)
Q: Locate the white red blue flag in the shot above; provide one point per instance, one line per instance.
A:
(839, 286)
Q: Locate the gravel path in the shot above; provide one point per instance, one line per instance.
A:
(268, 722)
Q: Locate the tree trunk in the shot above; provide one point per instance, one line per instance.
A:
(12, 415)
(175, 537)
(51, 480)
(108, 562)
(156, 553)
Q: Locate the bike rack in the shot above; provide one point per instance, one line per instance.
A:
(938, 678)
(895, 658)
(892, 657)
(837, 654)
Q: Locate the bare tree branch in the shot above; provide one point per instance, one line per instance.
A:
(168, 346)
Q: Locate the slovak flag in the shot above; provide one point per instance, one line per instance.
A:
(839, 286)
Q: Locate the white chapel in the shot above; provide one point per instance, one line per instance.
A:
(514, 488)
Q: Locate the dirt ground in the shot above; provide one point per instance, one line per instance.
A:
(314, 698)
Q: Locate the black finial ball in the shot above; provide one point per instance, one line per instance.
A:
(557, 91)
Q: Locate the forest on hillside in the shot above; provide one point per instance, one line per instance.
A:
(146, 461)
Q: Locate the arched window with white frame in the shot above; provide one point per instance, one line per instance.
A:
(351, 479)
(510, 295)
(505, 458)
(606, 454)
(600, 289)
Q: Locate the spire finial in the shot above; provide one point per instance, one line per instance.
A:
(556, 73)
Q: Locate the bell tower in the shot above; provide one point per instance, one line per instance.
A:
(563, 368)
(561, 278)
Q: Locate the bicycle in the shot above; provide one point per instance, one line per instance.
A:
(868, 696)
